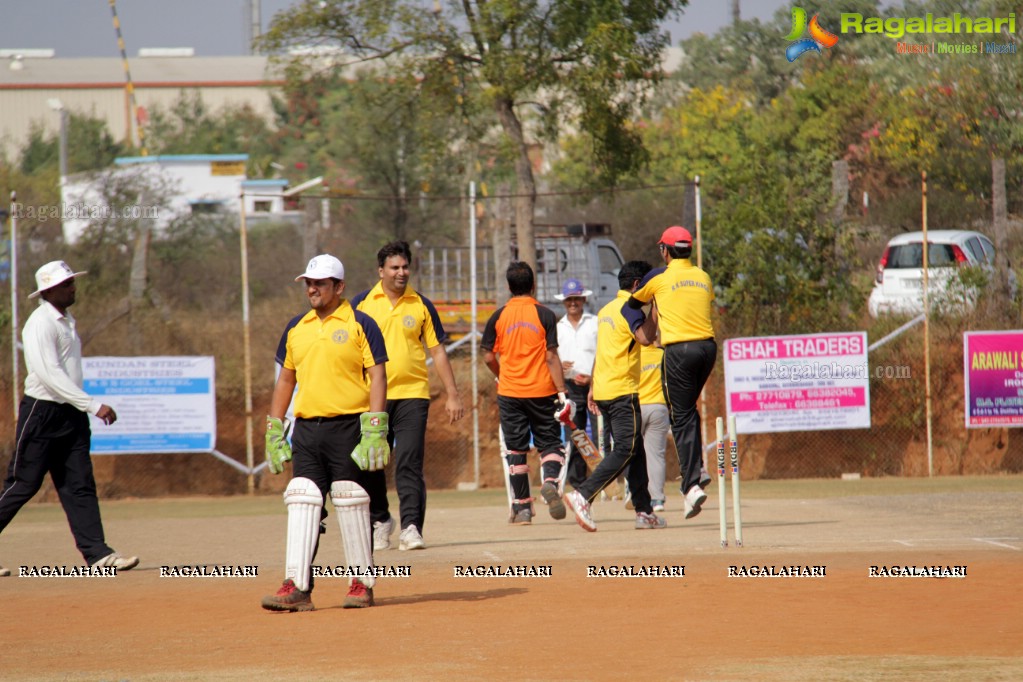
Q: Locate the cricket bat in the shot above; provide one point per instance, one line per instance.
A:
(591, 454)
(582, 443)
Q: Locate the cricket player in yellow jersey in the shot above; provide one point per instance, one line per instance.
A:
(615, 391)
(409, 322)
(656, 422)
(683, 295)
(336, 357)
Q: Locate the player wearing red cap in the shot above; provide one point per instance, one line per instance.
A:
(682, 294)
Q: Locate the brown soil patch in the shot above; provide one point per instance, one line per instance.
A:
(434, 625)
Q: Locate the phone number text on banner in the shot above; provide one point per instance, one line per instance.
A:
(163, 404)
(808, 382)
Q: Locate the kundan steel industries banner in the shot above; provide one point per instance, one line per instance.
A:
(993, 378)
(163, 404)
(809, 382)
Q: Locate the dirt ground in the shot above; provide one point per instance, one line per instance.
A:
(433, 625)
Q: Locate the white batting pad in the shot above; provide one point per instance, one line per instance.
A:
(304, 501)
(351, 503)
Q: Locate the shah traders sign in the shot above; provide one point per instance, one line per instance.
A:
(993, 378)
(163, 404)
(811, 382)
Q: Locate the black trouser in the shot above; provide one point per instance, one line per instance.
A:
(684, 370)
(521, 417)
(576, 464)
(623, 418)
(322, 451)
(55, 438)
(406, 420)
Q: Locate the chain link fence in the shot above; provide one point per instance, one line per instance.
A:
(195, 300)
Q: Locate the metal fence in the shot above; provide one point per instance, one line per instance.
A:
(204, 321)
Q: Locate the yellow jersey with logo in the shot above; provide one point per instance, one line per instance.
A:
(616, 370)
(684, 295)
(410, 326)
(330, 358)
(650, 390)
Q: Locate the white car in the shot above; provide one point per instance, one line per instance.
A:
(898, 285)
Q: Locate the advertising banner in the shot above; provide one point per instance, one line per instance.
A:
(993, 379)
(163, 404)
(810, 382)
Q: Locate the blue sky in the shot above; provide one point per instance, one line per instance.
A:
(84, 28)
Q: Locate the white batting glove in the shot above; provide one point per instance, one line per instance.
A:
(565, 409)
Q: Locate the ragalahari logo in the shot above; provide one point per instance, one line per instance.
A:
(819, 37)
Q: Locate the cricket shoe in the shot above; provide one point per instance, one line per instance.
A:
(289, 598)
(705, 478)
(382, 534)
(578, 504)
(521, 517)
(359, 596)
(646, 521)
(410, 539)
(549, 492)
(658, 505)
(694, 500)
(120, 563)
(4, 571)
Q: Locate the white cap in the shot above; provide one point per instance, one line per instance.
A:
(323, 266)
(52, 274)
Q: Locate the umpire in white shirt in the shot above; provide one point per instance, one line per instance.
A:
(577, 348)
(53, 433)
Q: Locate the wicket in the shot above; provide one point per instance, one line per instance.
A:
(722, 502)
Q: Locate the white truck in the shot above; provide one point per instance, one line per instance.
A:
(582, 251)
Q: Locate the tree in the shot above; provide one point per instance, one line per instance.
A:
(90, 146)
(384, 133)
(769, 239)
(749, 56)
(533, 66)
(188, 126)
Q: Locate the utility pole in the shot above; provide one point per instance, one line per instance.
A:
(255, 25)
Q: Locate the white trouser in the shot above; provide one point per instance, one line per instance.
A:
(655, 429)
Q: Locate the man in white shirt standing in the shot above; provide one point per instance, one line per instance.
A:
(53, 433)
(577, 348)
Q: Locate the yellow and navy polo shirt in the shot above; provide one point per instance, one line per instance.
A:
(330, 359)
(684, 295)
(406, 326)
(616, 370)
(521, 332)
(650, 390)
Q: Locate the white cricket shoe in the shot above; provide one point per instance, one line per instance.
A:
(121, 563)
(4, 571)
(646, 521)
(410, 539)
(382, 534)
(694, 499)
(578, 504)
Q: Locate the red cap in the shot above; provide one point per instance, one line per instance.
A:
(676, 236)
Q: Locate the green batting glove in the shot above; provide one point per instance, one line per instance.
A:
(277, 449)
(372, 452)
